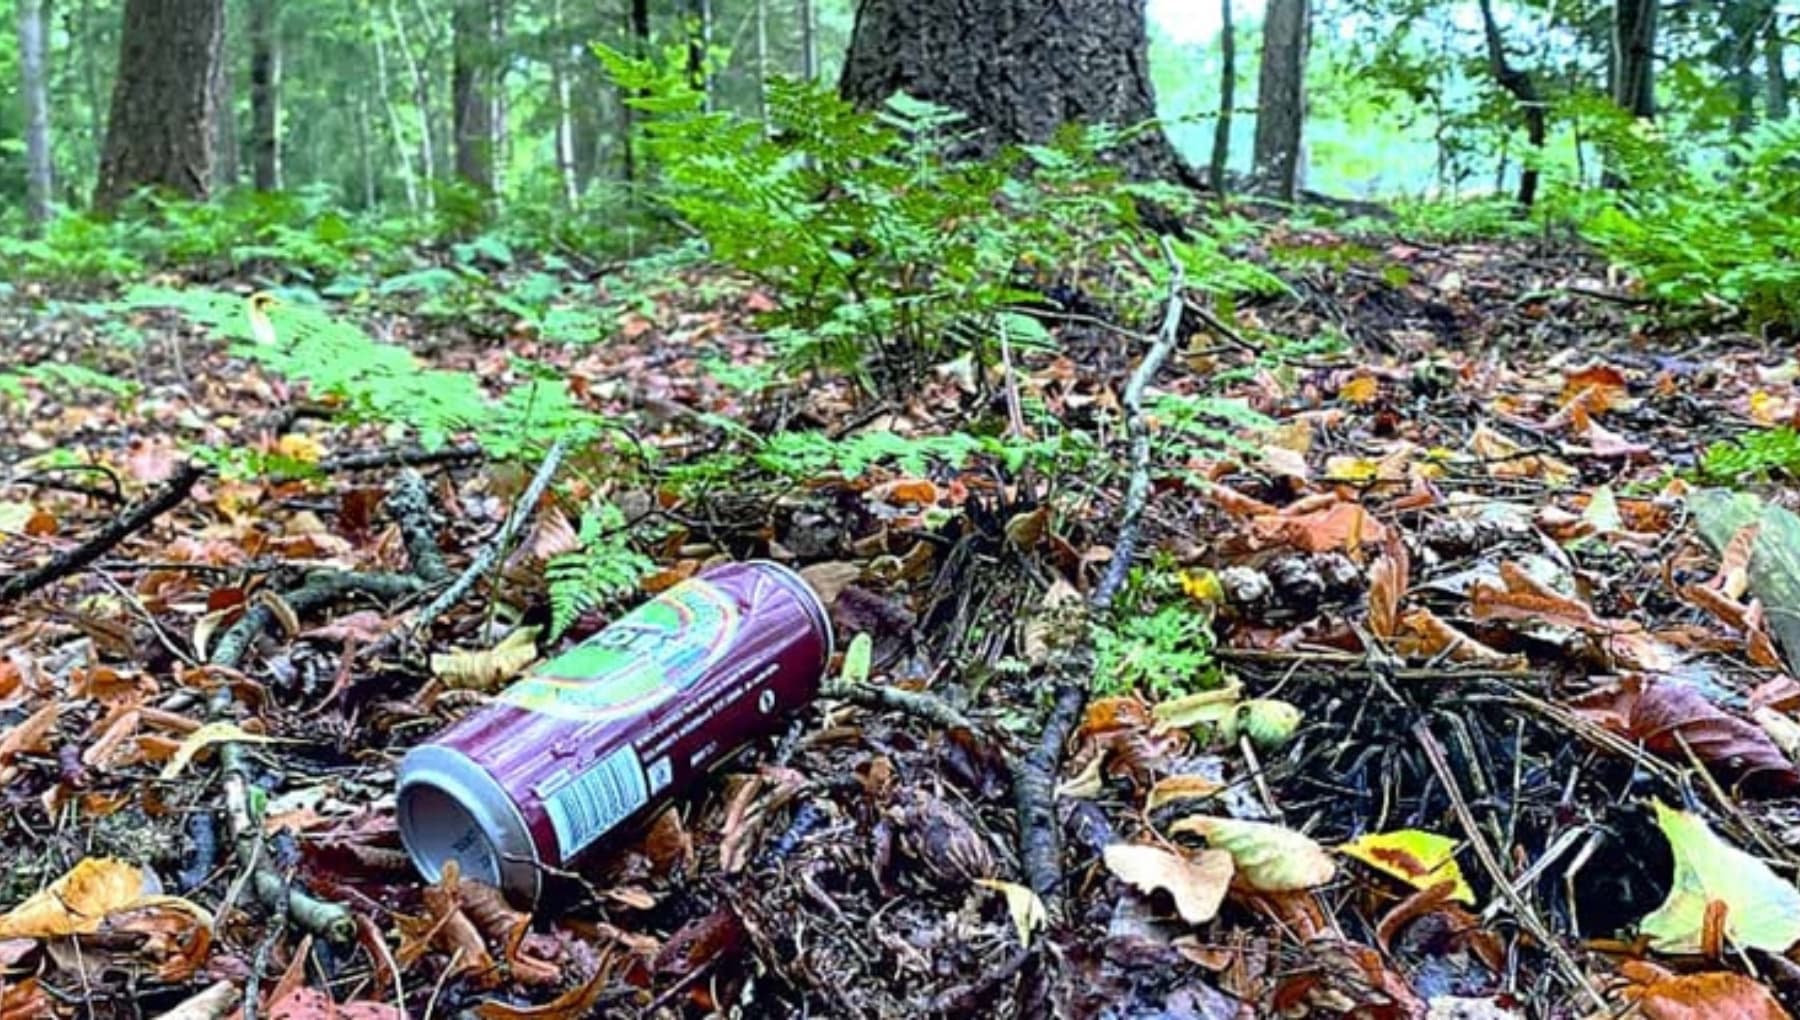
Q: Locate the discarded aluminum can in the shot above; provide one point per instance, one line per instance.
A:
(601, 736)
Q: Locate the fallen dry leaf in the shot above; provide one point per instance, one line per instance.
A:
(1268, 858)
(1664, 715)
(486, 669)
(1197, 884)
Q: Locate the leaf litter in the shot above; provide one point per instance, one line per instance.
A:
(1476, 518)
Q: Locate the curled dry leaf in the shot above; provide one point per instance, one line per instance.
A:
(1526, 599)
(1341, 526)
(487, 669)
(1425, 635)
(1170, 789)
(1268, 858)
(206, 736)
(1664, 716)
(1420, 859)
(1197, 884)
(575, 1004)
(1660, 995)
(830, 579)
(311, 1004)
(1388, 580)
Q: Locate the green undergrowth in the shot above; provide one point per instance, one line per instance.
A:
(1761, 456)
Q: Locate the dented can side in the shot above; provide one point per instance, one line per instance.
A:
(595, 740)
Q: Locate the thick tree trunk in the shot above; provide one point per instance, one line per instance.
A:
(160, 132)
(265, 95)
(1775, 69)
(1281, 98)
(1520, 85)
(472, 91)
(40, 183)
(1221, 147)
(1019, 69)
(1633, 84)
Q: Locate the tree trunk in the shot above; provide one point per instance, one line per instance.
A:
(1221, 148)
(364, 152)
(265, 95)
(565, 108)
(33, 86)
(401, 150)
(809, 40)
(637, 27)
(1633, 64)
(225, 127)
(762, 61)
(700, 30)
(1281, 98)
(1775, 69)
(472, 92)
(421, 107)
(1019, 69)
(1519, 84)
(160, 131)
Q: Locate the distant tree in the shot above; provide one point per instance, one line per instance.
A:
(1020, 69)
(1281, 97)
(474, 89)
(1775, 68)
(1633, 63)
(1523, 88)
(1221, 147)
(265, 95)
(161, 129)
(33, 87)
(700, 28)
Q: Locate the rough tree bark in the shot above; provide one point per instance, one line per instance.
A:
(472, 90)
(34, 88)
(160, 131)
(1019, 69)
(1520, 85)
(1221, 147)
(1281, 98)
(265, 96)
(1633, 65)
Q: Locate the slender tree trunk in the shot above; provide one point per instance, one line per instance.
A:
(224, 127)
(1019, 69)
(565, 108)
(421, 107)
(762, 61)
(1221, 148)
(265, 95)
(1281, 97)
(1775, 69)
(408, 180)
(95, 94)
(1519, 84)
(160, 131)
(364, 151)
(700, 28)
(637, 27)
(40, 182)
(809, 40)
(1633, 62)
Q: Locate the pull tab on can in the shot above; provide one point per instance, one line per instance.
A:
(600, 737)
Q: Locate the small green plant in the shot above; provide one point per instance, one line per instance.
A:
(603, 568)
(1166, 653)
(1753, 457)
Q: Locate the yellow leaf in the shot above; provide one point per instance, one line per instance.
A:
(1602, 511)
(1420, 859)
(304, 449)
(1169, 789)
(1361, 390)
(1197, 884)
(1268, 857)
(77, 902)
(487, 669)
(1209, 707)
(1027, 909)
(206, 736)
(1203, 586)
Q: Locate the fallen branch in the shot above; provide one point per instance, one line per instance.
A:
(410, 504)
(928, 707)
(1071, 670)
(410, 457)
(138, 517)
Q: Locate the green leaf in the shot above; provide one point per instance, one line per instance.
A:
(1761, 910)
(857, 660)
(1269, 858)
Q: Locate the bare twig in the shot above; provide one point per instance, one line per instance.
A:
(1440, 764)
(925, 706)
(138, 517)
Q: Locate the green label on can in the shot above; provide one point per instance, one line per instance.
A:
(643, 659)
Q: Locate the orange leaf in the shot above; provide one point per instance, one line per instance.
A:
(1388, 582)
(1361, 390)
(1706, 996)
(1345, 526)
(32, 735)
(1424, 635)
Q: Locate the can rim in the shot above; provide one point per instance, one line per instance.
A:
(460, 778)
(815, 605)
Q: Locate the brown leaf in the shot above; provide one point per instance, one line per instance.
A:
(1525, 599)
(575, 1004)
(1664, 715)
(311, 1004)
(32, 736)
(1345, 526)
(1715, 995)
(1388, 580)
(1197, 884)
(829, 579)
(1424, 635)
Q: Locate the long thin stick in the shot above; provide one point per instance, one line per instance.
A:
(65, 563)
(1434, 752)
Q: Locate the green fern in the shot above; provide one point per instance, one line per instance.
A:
(604, 568)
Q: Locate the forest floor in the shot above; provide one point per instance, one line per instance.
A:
(1457, 595)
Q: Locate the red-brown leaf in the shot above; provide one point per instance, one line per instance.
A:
(1664, 716)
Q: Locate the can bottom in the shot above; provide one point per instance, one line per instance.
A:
(450, 808)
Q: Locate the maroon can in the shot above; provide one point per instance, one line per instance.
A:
(599, 737)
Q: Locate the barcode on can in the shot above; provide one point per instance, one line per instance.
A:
(597, 799)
